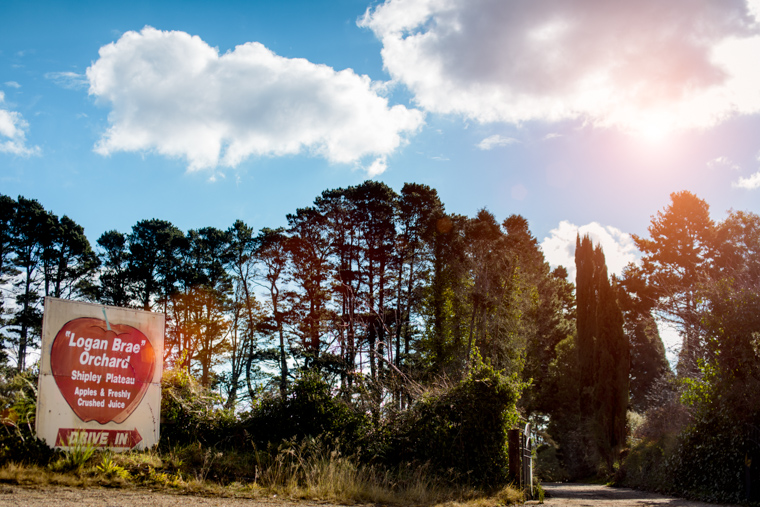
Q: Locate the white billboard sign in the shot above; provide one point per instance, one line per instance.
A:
(100, 376)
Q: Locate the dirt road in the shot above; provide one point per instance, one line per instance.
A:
(562, 495)
(56, 496)
(587, 495)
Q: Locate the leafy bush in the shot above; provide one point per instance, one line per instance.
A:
(548, 465)
(190, 413)
(698, 446)
(309, 409)
(461, 432)
(18, 403)
(646, 466)
(708, 463)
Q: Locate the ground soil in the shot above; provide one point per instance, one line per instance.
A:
(57, 496)
(561, 495)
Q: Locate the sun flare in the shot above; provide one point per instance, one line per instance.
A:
(653, 127)
(654, 133)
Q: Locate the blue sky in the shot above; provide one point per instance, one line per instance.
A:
(583, 114)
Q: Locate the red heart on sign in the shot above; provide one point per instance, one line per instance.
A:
(103, 374)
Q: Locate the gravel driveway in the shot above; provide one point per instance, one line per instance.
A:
(577, 495)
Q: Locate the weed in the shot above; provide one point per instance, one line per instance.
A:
(110, 469)
(74, 458)
(540, 493)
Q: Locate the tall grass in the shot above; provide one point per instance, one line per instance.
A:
(309, 470)
(296, 470)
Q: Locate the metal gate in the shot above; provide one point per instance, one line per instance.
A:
(521, 458)
(526, 454)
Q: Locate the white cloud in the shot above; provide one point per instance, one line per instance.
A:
(645, 66)
(750, 183)
(13, 132)
(12, 84)
(559, 247)
(723, 162)
(172, 93)
(378, 166)
(496, 140)
(70, 80)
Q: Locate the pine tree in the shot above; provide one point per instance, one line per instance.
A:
(674, 262)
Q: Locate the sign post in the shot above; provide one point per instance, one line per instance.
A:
(100, 376)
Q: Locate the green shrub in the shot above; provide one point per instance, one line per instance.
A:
(646, 467)
(697, 447)
(460, 432)
(654, 440)
(18, 403)
(709, 460)
(191, 413)
(548, 466)
(309, 409)
(708, 463)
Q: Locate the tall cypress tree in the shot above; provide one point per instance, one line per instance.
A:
(586, 321)
(603, 352)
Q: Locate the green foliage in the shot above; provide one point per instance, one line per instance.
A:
(109, 468)
(191, 413)
(202, 463)
(309, 408)
(461, 432)
(548, 467)
(699, 392)
(708, 462)
(646, 467)
(18, 401)
(603, 353)
(706, 458)
(74, 458)
(539, 492)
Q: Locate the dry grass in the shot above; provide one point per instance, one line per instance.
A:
(296, 472)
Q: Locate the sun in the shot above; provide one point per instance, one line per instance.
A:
(654, 133)
(652, 127)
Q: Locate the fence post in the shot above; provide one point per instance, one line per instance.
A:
(751, 468)
(513, 441)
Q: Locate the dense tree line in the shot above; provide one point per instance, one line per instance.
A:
(378, 289)
(384, 294)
